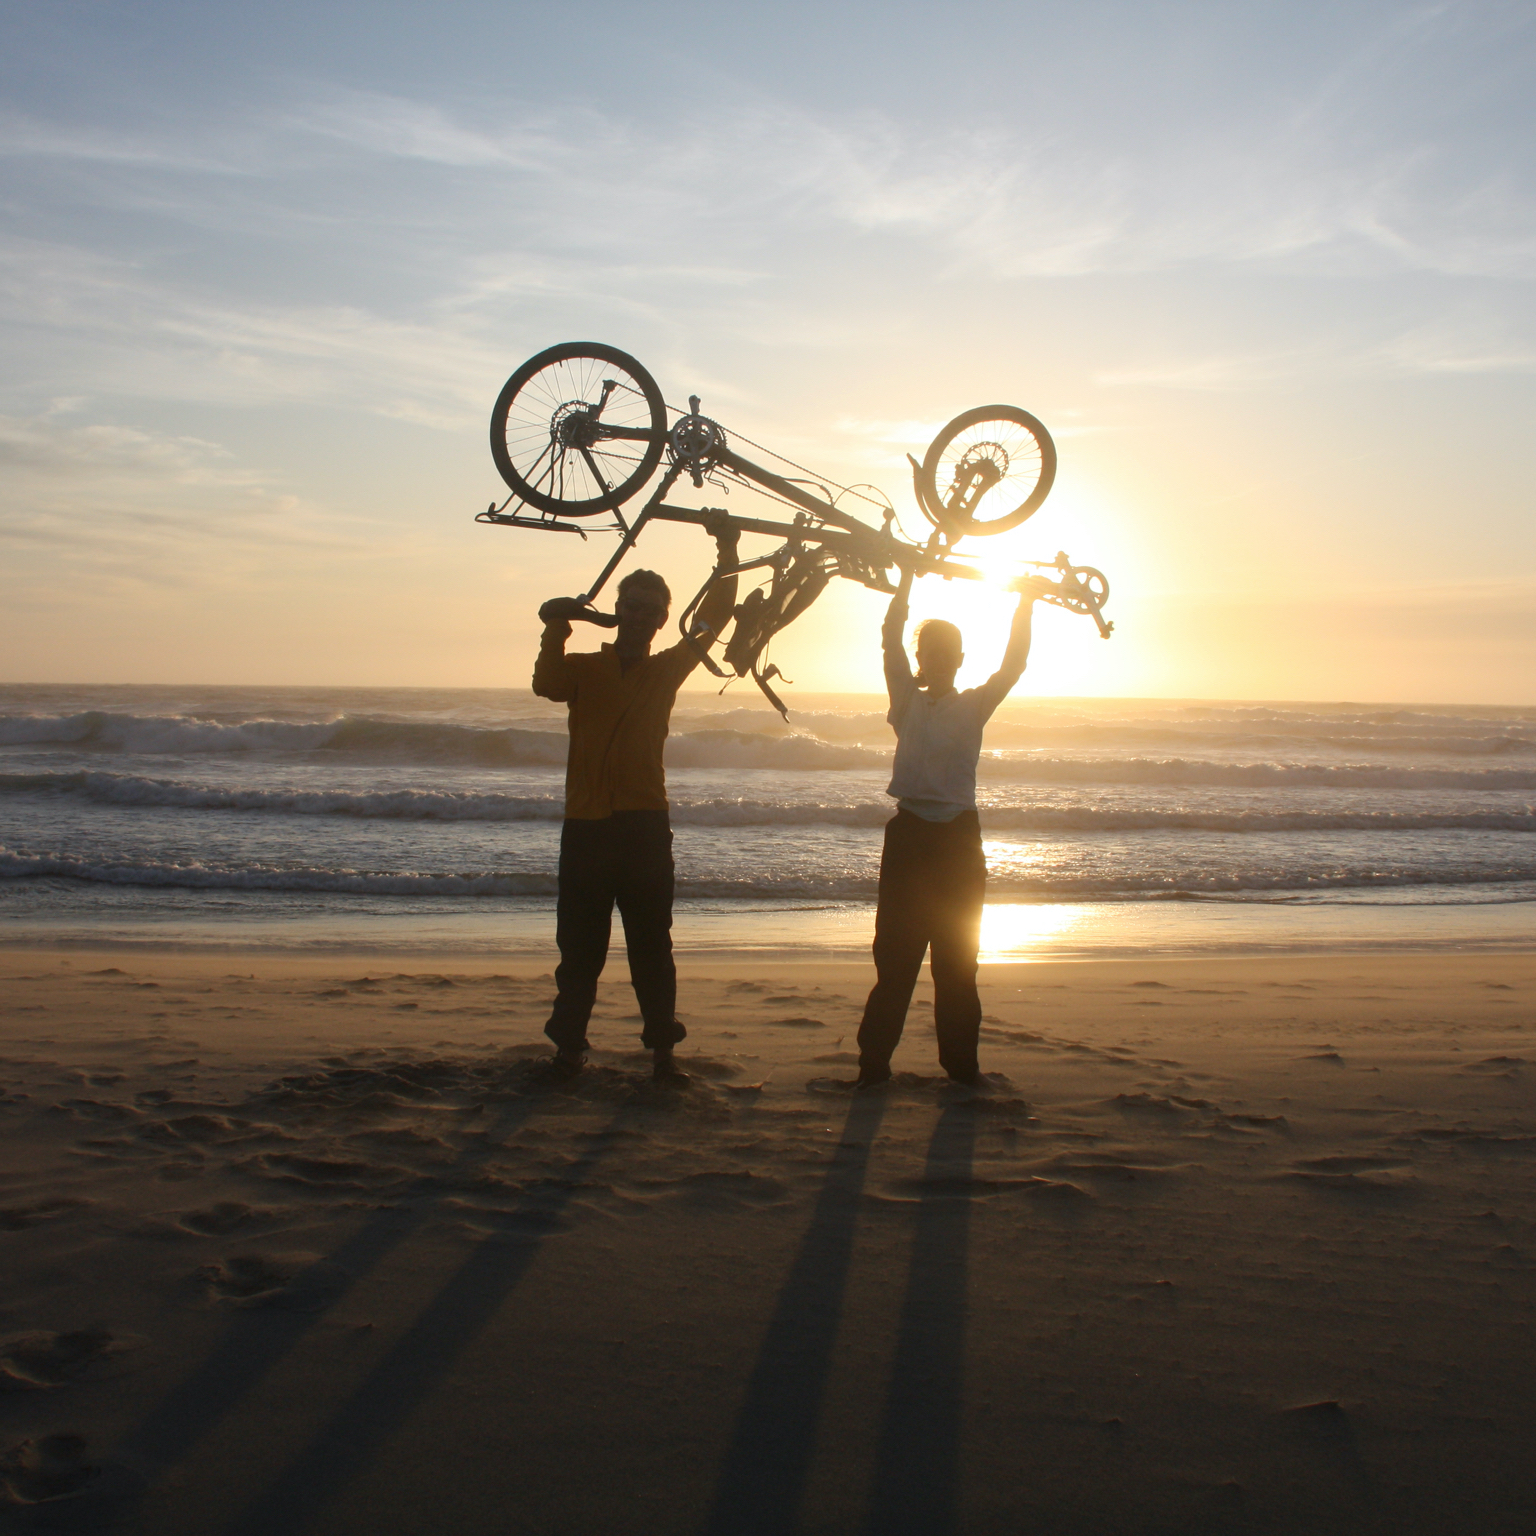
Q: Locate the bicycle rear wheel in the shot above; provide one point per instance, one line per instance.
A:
(987, 471)
(578, 429)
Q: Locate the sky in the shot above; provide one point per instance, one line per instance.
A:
(1266, 271)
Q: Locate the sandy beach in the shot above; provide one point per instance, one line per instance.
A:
(1225, 1245)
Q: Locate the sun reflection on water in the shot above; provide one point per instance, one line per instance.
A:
(1021, 930)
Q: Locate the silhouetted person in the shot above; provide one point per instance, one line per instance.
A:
(616, 841)
(933, 874)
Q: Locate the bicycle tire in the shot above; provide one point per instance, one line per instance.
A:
(537, 414)
(1027, 471)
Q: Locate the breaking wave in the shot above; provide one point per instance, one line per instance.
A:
(360, 735)
(15, 865)
(479, 806)
(405, 741)
(1252, 775)
(364, 739)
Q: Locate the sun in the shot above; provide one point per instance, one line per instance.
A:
(982, 609)
(1065, 656)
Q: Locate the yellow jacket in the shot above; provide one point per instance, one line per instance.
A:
(618, 719)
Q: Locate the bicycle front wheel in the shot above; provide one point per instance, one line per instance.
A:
(578, 429)
(987, 471)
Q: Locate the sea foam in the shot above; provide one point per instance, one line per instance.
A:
(194, 875)
(365, 739)
(106, 788)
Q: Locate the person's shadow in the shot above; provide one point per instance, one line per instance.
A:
(762, 1479)
(408, 1372)
(256, 1341)
(917, 1464)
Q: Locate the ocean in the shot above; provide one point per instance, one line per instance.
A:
(427, 821)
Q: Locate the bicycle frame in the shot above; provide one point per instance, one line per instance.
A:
(821, 542)
(863, 554)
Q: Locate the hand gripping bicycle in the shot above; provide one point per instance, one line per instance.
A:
(580, 429)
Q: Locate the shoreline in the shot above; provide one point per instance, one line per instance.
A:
(1013, 932)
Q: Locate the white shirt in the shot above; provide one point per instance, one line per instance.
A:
(938, 744)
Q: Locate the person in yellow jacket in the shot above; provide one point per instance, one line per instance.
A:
(616, 840)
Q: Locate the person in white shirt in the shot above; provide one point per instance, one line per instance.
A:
(933, 874)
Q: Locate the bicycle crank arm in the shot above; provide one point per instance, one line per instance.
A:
(1074, 604)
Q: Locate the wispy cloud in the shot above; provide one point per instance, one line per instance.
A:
(1321, 183)
(413, 130)
(124, 506)
(26, 137)
(152, 337)
(587, 214)
(1472, 340)
(1011, 203)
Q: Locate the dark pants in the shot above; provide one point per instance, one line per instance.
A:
(933, 880)
(624, 858)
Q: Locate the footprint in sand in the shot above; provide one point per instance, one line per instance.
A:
(1172, 1105)
(322, 1172)
(45, 1468)
(1496, 1066)
(38, 1361)
(226, 1216)
(715, 1189)
(1113, 1169)
(93, 1109)
(15, 1218)
(293, 1282)
(1362, 1174)
(55, 1470)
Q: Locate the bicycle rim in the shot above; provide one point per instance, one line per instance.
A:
(549, 429)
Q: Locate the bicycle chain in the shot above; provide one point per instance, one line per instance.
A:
(815, 479)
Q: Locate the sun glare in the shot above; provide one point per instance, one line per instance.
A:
(1022, 930)
(1065, 655)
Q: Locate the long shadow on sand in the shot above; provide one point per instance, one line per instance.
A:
(763, 1478)
(257, 1341)
(398, 1384)
(917, 1465)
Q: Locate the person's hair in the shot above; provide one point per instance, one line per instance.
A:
(940, 633)
(650, 581)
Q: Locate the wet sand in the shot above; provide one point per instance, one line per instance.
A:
(1225, 1246)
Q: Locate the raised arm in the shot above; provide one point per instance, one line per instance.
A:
(553, 676)
(1016, 657)
(898, 669)
(719, 603)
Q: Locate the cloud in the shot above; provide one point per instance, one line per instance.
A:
(23, 137)
(1321, 183)
(1220, 373)
(1339, 176)
(149, 336)
(121, 506)
(393, 254)
(1465, 342)
(390, 125)
(47, 447)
